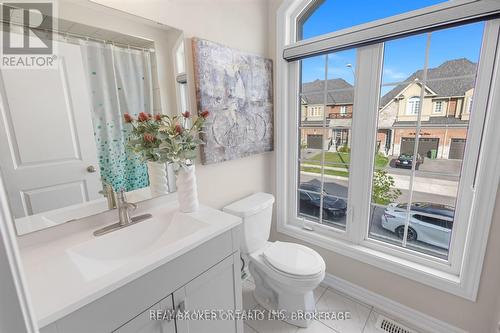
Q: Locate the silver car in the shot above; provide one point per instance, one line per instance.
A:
(429, 223)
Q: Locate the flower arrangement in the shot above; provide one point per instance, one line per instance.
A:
(166, 139)
(143, 139)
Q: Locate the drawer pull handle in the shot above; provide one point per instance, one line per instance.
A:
(179, 308)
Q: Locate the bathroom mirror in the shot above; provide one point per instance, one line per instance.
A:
(63, 137)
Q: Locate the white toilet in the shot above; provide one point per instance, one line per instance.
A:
(285, 274)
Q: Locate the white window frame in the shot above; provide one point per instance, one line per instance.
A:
(413, 106)
(435, 109)
(460, 275)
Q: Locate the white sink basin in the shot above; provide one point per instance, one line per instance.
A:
(101, 255)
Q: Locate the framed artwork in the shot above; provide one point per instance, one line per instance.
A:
(236, 88)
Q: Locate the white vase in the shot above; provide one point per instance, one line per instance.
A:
(187, 191)
(158, 182)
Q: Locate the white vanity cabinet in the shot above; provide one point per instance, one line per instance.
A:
(203, 293)
(206, 277)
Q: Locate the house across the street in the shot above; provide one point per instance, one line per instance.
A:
(445, 110)
(339, 100)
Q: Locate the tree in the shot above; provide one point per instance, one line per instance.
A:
(383, 191)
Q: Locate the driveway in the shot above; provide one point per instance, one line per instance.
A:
(438, 168)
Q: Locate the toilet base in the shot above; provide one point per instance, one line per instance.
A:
(274, 297)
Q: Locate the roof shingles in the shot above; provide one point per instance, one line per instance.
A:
(450, 79)
(339, 92)
(459, 72)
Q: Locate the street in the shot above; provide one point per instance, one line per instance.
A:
(338, 187)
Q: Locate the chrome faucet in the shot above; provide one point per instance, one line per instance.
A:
(124, 208)
(124, 219)
(109, 193)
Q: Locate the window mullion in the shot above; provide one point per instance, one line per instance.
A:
(419, 110)
(325, 102)
(364, 128)
(289, 144)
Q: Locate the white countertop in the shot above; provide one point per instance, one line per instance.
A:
(35, 222)
(61, 282)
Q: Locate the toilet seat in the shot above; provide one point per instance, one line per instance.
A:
(293, 260)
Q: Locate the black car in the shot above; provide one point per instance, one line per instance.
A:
(406, 161)
(310, 200)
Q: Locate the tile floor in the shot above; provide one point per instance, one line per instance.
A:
(363, 317)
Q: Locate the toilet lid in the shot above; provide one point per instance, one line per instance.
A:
(294, 259)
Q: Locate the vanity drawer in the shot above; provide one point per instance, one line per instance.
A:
(118, 307)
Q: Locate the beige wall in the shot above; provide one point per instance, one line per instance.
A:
(312, 112)
(411, 91)
(465, 114)
(452, 106)
(241, 24)
(476, 317)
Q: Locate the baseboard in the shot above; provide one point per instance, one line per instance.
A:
(386, 306)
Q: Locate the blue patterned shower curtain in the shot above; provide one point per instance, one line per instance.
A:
(119, 81)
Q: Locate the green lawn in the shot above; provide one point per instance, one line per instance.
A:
(342, 159)
(327, 171)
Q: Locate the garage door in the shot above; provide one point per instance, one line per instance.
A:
(425, 145)
(457, 148)
(315, 141)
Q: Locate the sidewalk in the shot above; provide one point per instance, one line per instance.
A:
(420, 184)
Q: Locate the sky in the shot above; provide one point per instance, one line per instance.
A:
(402, 56)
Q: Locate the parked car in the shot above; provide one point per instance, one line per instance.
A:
(309, 203)
(429, 222)
(406, 161)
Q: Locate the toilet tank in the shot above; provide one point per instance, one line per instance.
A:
(256, 212)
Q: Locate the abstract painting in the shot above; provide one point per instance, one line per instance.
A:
(236, 88)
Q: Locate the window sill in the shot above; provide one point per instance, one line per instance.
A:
(435, 278)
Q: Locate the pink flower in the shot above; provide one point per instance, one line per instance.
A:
(158, 117)
(149, 137)
(205, 114)
(143, 116)
(178, 129)
(128, 118)
(186, 114)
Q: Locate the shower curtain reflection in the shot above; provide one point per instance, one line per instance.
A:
(119, 82)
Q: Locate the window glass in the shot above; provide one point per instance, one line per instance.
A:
(414, 195)
(332, 15)
(326, 99)
(438, 107)
(413, 105)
